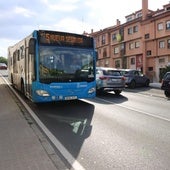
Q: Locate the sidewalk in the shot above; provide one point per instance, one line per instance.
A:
(20, 147)
(155, 85)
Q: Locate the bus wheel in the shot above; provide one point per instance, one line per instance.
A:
(22, 87)
(12, 82)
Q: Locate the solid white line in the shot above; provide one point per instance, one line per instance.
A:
(136, 110)
(73, 162)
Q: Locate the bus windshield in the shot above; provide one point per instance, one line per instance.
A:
(64, 64)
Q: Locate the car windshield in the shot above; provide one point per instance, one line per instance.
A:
(167, 76)
(59, 64)
(132, 73)
(126, 72)
(111, 73)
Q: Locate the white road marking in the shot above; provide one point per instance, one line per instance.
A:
(129, 108)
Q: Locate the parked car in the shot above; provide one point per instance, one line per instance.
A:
(3, 66)
(166, 84)
(109, 79)
(135, 78)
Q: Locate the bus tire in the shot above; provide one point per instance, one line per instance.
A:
(22, 87)
(12, 81)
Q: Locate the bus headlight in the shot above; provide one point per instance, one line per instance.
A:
(42, 93)
(92, 90)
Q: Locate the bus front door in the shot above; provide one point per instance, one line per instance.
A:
(29, 71)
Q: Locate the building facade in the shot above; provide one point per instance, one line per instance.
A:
(142, 42)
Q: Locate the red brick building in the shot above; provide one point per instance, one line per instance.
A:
(142, 42)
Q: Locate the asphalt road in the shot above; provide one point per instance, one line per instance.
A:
(131, 131)
(126, 132)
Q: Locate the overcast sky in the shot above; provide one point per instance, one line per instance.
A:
(18, 18)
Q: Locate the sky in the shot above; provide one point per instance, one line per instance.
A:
(18, 18)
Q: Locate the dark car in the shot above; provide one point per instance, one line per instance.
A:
(166, 84)
(3, 66)
(135, 78)
(109, 79)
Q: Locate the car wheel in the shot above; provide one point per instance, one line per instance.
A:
(99, 91)
(167, 93)
(117, 92)
(132, 84)
(147, 83)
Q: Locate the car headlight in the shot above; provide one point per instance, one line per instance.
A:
(42, 93)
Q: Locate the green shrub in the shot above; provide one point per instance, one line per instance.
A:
(3, 60)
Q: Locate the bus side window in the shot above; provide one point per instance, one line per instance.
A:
(32, 46)
(22, 52)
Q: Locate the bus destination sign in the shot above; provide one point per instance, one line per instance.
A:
(64, 39)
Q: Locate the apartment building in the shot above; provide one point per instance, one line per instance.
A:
(142, 42)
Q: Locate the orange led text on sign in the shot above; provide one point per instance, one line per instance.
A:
(63, 38)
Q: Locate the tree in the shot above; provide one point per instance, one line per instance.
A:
(3, 60)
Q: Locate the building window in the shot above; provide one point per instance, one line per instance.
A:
(113, 37)
(22, 52)
(106, 62)
(103, 39)
(135, 28)
(129, 18)
(139, 14)
(150, 68)
(160, 26)
(132, 61)
(100, 62)
(117, 63)
(122, 46)
(147, 36)
(168, 25)
(137, 44)
(98, 39)
(131, 46)
(121, 32)
(104, 53)
(161, 44)
(18, 55)
(168, 44)
(162, 60)
(130, 30)
(149, 52)
(116, 50)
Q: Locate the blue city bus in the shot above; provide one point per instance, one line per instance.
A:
(51, 66)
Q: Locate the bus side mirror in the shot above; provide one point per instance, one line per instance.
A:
(96, 53)
(31, 49)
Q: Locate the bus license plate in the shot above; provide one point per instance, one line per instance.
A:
(70, 97)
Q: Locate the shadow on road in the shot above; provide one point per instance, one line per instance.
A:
(108, 98)
(69, 121)
(138, 89)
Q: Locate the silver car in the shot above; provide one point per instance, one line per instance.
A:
(109, 79)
